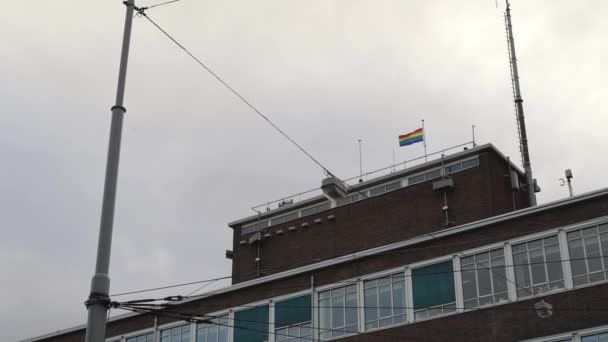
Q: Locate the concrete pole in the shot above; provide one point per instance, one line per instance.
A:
(520, 112)
(97, 304)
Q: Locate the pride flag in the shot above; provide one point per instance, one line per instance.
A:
(411, 138)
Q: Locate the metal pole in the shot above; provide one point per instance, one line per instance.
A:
(360, 163)
(473, 129)
(97, 304)
(570, 187)
(520, 112)
(424, 140)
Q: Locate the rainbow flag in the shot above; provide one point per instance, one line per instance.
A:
(411, 138)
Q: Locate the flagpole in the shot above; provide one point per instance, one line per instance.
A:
(424, 140)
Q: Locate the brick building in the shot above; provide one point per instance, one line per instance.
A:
(449, 250)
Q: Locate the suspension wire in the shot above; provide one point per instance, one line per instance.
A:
(141, 11)
(483, 267)
(161, 4)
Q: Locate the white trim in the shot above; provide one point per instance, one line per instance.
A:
(565, 254)
(458, 283)
(511, 285)
(381, 274)
(271, 325)
(409, 296)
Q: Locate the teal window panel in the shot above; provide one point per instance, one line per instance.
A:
(433, 285)
(251, 325)
(292, 311)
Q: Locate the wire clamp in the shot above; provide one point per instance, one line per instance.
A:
(95, 299)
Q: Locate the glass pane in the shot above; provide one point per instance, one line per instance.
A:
(292, 311)
(351, 309)
(485, 282)
(384, 301)
(551, 241)
(433, 285)
(538, 267)
(399, 298)
(337, 311)
(415, 179)
(325, 313)
(522, 276)
(554, 264)
(432, 174)
(577, 255)
(201, 335)
(469, 286)
(536, 244)
(223, 332)
(212, 334)
(497, 253)
(499, 279)
(371, 310)
(393, 186)
(589, 339)
(377, 191)
(574, 235)
(603, 228)
(281, 334)
(590, 231)
(592, 247)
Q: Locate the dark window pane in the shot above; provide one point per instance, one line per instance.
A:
(592, 247)
(393, 186)
(469, 286)
(371, 305)
(554, 265)
(292, 311)
(251, 325)
(433, 285)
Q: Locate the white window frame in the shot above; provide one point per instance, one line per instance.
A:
(373, 276)
(328, 287)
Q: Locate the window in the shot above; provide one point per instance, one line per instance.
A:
(352, 198)
(484, 278)
(595, 338)
(538, 267)
(254, 227)
(251, 325)
(385, 301)
(316, 209)
(433, 288)
(218, 331)
(177, 334)
(393, 186)
(470, 163)
(338, 312)
(377, 191)
(432, 174)
(149, 337)
(453, 168)
(589, 254)
(415, 179)
(292, 319)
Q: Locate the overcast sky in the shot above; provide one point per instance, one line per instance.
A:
(328, 72)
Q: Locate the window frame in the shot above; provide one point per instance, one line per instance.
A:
(233, 311)
(330, 287)
(476, 266)
(376, 276)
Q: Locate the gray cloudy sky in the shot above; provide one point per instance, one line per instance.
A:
(194, 157)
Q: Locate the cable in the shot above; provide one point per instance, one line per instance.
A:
(233, 91)
(170, 286)
(200, 288)
(161, 4)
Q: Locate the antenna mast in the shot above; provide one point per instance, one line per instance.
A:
(521, 124)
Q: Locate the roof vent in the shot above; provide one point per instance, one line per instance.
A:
(333, 188)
